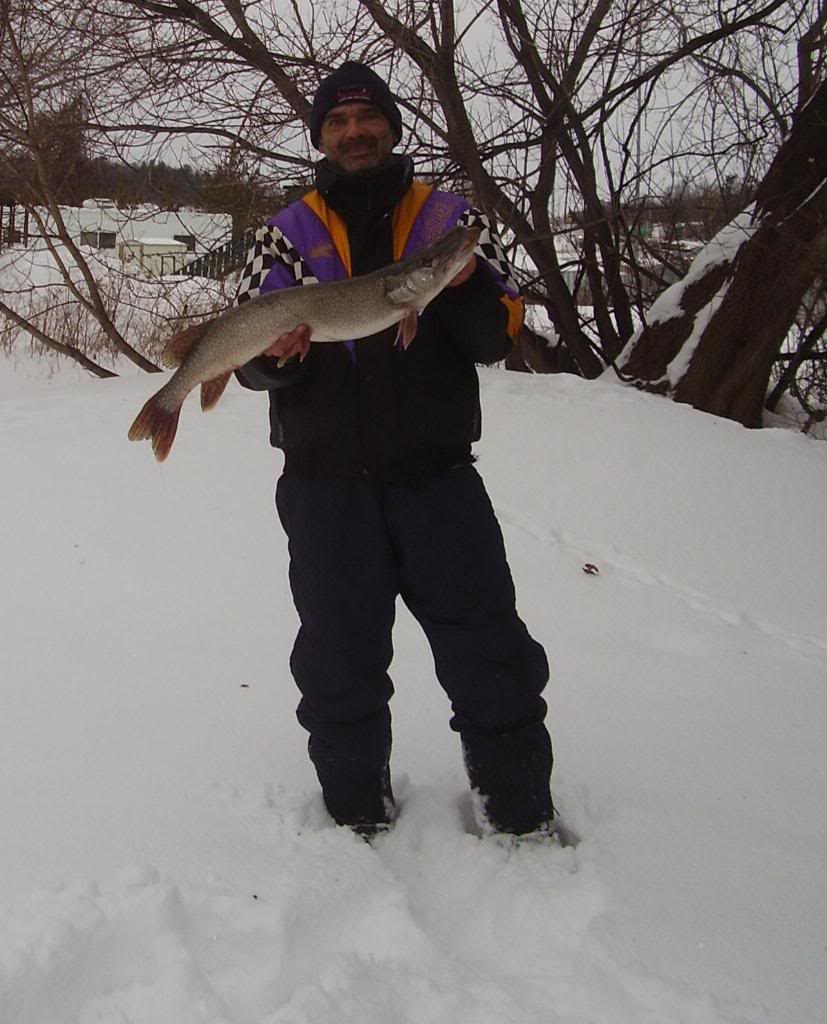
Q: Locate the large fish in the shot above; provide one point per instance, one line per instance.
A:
(207, 353)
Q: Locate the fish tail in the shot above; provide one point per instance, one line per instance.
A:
(158, 423)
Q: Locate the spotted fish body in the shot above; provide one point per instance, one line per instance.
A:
(358, 307)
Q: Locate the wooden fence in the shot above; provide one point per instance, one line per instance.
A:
(223, 260)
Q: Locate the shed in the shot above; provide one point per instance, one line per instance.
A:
(157, 256)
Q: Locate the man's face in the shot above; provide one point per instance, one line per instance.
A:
(356, 137)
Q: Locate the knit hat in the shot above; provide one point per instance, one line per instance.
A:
(353, 83)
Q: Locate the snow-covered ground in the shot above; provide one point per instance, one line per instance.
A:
(165, 856)
(144, 309)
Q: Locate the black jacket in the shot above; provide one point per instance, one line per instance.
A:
(390, 414)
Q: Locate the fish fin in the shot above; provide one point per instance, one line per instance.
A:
(181, 344)
(407, 328)
(212, 390)
(158, 424)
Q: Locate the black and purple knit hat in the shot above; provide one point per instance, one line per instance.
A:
(353, 83)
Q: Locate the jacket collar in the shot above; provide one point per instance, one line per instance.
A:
(362, 197)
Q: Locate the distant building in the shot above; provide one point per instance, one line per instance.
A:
(134, 233)
(156, 256)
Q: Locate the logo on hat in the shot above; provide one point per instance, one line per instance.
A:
(351, 93)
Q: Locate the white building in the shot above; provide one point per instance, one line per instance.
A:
(101, 224)
(156, 256)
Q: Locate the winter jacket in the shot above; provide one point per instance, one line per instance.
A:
(370, 408)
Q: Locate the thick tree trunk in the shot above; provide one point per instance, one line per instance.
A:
(533, 354)
(716, 353)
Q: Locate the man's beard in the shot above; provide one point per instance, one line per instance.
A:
(369, 150)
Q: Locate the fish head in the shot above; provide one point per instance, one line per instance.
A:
(419, 279)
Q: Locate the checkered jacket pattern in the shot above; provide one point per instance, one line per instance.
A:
(490, 246)
(272, 246)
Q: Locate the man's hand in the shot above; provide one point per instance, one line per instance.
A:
(294, 343)
(464, 274)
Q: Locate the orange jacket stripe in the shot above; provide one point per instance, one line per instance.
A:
(404, 216)
(516, 315)
(336, 227)
(406, 213)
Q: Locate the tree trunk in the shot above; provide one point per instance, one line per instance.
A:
(716, 352)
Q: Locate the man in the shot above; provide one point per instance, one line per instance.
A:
(379, 497)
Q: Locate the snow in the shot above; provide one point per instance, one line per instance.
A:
(166, 856)
(104, 215)
(143, 306)
(721, 249)
(679, 365)
(170, 242)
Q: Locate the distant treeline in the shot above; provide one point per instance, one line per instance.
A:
(225, 190)
(688, 210)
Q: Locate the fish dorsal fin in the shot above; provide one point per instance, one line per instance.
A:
(179, 345)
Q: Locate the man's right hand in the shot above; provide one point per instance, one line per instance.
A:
(294, 343)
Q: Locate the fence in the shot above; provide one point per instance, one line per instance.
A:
(223, 260)
(14, 228)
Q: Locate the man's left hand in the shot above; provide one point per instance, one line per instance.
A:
(464, 274)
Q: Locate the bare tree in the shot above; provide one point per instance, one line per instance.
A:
(45, 53)
(730, 322)
(801, 373)
(558, 114)
(565, 121)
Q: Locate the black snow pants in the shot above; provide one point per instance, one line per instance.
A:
(355, 546)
